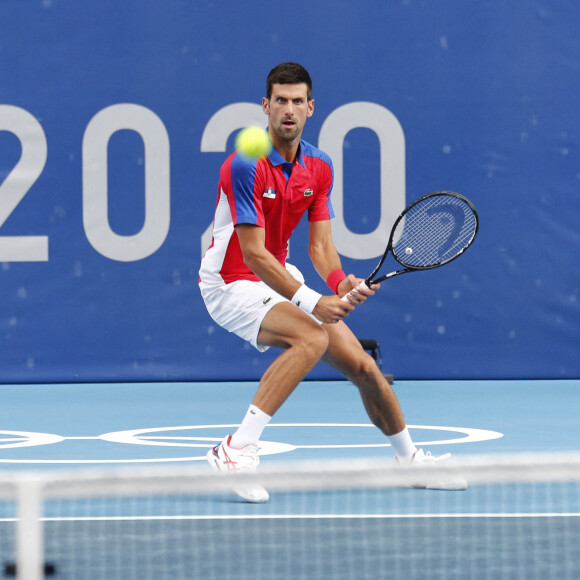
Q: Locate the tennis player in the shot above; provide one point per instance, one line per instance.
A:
(249, 288)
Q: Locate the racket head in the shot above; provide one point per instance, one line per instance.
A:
(432, 231)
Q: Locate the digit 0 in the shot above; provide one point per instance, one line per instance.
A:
(392, 174)
(95, 182)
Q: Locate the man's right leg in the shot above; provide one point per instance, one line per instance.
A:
(304, 342)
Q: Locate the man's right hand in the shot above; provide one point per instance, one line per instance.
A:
(331, 309)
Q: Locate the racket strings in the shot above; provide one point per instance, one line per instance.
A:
(434, 231)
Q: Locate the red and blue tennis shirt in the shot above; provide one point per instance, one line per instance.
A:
(270, 193)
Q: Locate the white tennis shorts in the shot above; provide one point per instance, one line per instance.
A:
(240, 307)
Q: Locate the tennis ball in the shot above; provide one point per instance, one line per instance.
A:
(253, 142)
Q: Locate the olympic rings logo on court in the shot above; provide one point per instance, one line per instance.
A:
(172, 437)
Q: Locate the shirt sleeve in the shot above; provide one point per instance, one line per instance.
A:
(321, 207)
(245, 204)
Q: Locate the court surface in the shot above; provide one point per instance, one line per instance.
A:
(97, 424)
(70, 426)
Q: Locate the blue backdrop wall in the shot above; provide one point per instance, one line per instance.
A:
(115, 118)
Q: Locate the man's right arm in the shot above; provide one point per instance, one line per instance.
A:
(252, 242)
(329, 309)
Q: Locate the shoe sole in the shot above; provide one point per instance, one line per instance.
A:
(255, 494)
(455, 485)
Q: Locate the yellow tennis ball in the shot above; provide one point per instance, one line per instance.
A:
(253, 142)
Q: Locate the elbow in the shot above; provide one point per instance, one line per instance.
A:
(252, 260)
(313, 251)
(316, 253)
(250, 263)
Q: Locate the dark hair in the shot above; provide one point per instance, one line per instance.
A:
(288, 73)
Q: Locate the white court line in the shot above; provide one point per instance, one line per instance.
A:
(144, 437)
(482, 515)
(152, 436)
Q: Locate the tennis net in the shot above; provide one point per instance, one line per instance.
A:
(519, 518)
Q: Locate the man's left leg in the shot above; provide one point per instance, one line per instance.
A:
(346, 355)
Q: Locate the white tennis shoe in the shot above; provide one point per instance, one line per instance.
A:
(224, 458)
(442, 482)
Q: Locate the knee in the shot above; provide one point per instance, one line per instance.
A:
(315, 341)
(364, 368)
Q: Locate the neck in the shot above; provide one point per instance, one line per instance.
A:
(287, 149)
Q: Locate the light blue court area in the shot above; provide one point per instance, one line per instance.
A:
(165, 423)
(506, 531)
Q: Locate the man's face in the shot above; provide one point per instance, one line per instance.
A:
(288, 108)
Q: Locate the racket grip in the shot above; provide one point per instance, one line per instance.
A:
(361, 286)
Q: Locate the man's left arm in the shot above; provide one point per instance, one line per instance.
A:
(326, 262)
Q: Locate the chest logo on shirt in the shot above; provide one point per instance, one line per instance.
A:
(270, 193)
(308, 193)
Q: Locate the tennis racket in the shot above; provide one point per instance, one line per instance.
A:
(431, 232)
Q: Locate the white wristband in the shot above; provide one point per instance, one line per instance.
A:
(306, 298)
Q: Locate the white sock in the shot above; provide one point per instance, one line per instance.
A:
(250, 429)
(402, 445)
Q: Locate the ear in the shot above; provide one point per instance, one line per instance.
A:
(310, 110)
(266, 105)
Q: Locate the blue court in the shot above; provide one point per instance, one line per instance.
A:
(94, 425)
